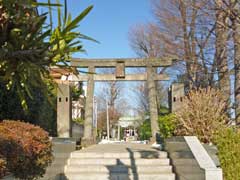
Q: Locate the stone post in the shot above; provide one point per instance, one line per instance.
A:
(176, 96)
(88, 123)
(119, 131)
(64, 111)
(152, 96)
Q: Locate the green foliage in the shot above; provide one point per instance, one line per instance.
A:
(26, 149)
(65, 34)
(76, 91)
(29, 46)
(163, 110)
(167, 125)
(79, 121)
(23, 53)
(41, 111)
(145, 132)
(227, 141)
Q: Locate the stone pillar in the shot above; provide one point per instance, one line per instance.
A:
(152, 96)
(64, 111)
(88, 123)
(176, 96)
(119, 129)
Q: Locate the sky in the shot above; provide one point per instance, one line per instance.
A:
(109, 23)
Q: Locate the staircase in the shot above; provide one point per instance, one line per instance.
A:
(119, 162)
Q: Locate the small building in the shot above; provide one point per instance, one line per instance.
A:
(130, 125)
(78, 107)
(60, 75)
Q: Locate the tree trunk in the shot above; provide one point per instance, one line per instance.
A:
(192, 41)
(187, 53)
(236, 39)
(221, 50)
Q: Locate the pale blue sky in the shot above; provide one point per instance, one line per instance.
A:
(109, 23)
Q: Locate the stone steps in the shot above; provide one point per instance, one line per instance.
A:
(187, 169)
(132, 164)
(113, 161)
(120, 176)
(184, 162)
(191, 176)
(117, 169)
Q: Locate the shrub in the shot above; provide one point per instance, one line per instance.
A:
(145, 132)
(79, 120)
(167, 125)
(201, 114)
(26, 148)
(227, 141)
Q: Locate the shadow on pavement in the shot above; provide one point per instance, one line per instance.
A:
(120, 171)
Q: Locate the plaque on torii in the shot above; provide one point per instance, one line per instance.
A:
(120, 70)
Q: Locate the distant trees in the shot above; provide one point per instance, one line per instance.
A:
(141, 94)
(110, 93)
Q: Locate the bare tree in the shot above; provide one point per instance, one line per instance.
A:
(142, 100)
(191, 31)
(111, 94)
(204, 34)
(147, 41)
(231, 9)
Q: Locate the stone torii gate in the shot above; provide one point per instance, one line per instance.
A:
(120, 64)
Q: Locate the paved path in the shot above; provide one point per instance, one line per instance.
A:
(120, 148)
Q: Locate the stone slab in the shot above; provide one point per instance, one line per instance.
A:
(203, 159)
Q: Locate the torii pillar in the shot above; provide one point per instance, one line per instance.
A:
(152, 97)
(88, 137)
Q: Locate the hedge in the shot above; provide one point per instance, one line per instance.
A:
(26, 149)
(227, 141)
